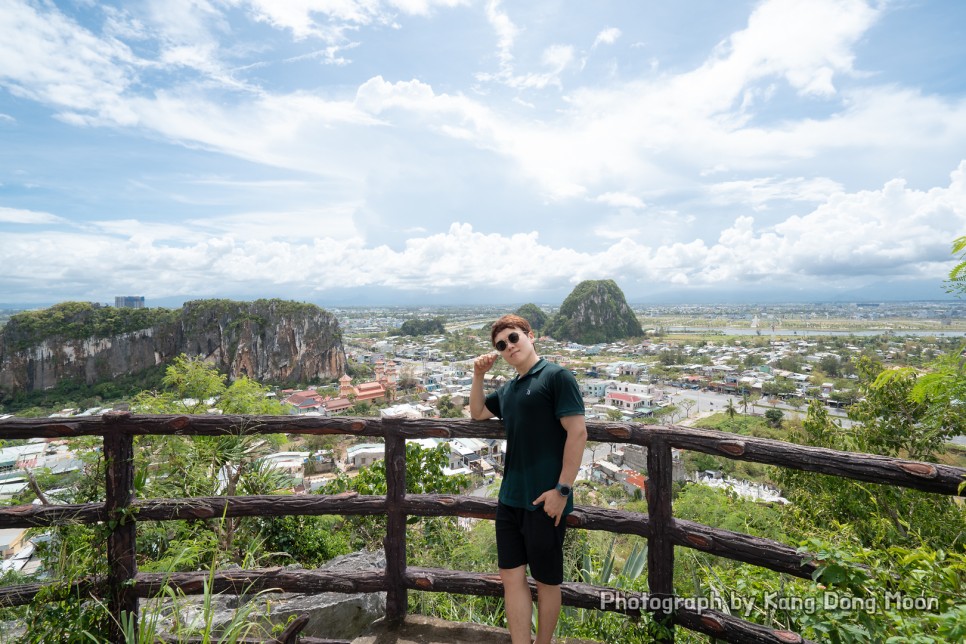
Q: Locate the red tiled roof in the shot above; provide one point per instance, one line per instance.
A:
(631, 398)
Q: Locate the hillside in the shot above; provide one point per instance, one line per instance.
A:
(595, 311)
(269, 340)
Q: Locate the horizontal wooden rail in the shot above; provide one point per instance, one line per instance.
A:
(284, 580)
(125, 584)
(928, 477)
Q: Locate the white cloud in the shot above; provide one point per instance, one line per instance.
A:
(758, 193)
(607, 37)
(852, 237)
(331, 22)
(48, 58)
(633, 161)
(620, 200)
(30, 217)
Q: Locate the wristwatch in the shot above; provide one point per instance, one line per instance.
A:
(563, 489)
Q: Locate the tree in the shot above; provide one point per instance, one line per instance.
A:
(424, 475)
(209, 465)
(831, 365)
(887, 421)
(774, 417)
(191, 384)
(447, 409)
(957, 276)
(687, 404)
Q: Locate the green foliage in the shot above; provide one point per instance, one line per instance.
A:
(595, 311)
(725, 509)
(778, 387)
(881, 515)
(307, 540)
(424, 475)
(59, 613)
(775, 417)
(78, 321)
(74, 393)
(957, 276)
(447, 409)
(431, 326)
(534, 315)
(193, 386)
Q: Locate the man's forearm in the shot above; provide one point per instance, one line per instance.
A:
(573, 454)
(477, 399)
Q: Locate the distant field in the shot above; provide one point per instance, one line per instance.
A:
(791, 324)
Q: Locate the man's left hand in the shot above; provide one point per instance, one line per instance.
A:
(553, 504)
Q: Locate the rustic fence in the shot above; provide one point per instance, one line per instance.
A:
(124, 585)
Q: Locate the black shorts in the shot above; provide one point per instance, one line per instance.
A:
(530, 537)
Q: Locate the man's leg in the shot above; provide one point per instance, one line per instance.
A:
(518, 603)
(548, 610)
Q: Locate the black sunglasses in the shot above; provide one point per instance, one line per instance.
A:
(502, 345)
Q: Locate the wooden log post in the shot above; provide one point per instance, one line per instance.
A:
(122, 539)
(660, 547)
(395, 541)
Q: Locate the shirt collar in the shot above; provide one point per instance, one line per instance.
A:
(535, 369)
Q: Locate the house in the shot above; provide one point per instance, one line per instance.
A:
(635, 483)
(335, 405)
(291, 463)
(365, 454)
(407, 410)
(21, 457)
(595, 387)
(305, 401)
(626, 402)
(606, 472)
(12, 541)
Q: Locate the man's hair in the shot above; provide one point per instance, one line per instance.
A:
(508, 322)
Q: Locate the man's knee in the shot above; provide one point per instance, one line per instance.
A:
(547, 588)
(508, 575)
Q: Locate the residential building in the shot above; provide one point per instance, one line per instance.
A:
(129, 302)
(364, 454)
(12, 541)
(626, 402)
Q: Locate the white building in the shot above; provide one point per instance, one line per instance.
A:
(365, 454)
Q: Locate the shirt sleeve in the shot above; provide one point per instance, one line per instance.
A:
(569, 402)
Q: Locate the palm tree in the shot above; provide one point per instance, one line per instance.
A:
(730, 409)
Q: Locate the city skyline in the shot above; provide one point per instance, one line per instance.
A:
(461, 151)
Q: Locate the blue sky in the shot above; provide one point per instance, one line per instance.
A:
(459, 151)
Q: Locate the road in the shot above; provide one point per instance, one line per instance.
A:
(709, 402)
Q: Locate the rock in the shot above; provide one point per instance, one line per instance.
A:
(594, 312)
(265, 340)
(331, 615)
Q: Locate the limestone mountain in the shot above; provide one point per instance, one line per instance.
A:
(266, 340)
(534, 315)
(595, 311)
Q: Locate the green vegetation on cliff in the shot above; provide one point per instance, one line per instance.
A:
(595, 311)
(534, 315)
(433, 326)
(79, 321)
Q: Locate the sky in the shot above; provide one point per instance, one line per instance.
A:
(458, 151)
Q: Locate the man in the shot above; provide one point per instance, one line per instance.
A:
(543, 413)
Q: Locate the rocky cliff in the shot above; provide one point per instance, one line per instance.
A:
(595, 311)
(266, 340)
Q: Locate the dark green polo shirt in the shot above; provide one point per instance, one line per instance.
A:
(531, 407)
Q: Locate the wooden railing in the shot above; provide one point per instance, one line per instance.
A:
(124, 585)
